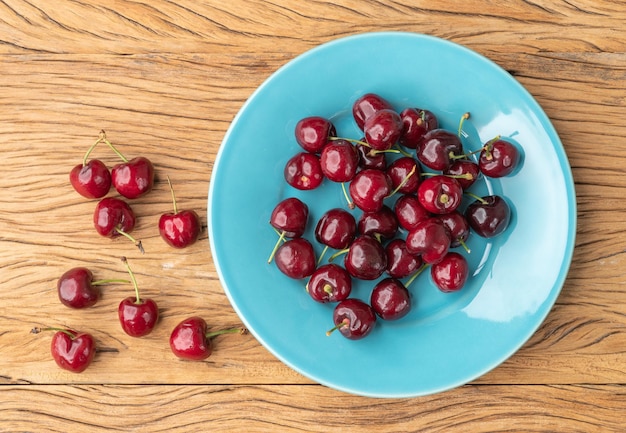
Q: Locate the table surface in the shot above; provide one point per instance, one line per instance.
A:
(164, 79)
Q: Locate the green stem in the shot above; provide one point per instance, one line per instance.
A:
(322, 255)
(465, 246)
(404, 181)
(337, 254)
(93, 146)
(173, 196)
(344, 322)
(415, 275)
(135, 241)
(352, 140)
(210, 335)
(346, 195)
(464, 117)
(103, 137)
(273, 253)
(474, 196)
(67, 332)
(109, 281)
(132, 277)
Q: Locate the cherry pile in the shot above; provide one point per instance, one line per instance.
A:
(409, 207)
(74, 350)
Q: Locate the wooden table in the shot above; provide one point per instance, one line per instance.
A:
(165, 79)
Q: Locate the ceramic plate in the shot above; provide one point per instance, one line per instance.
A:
(448, 339)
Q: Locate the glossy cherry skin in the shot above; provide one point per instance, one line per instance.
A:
(409, 211)
(75, 289)
(336, 228)
(467, 172)
(367, 105)
(296, 258)
(400, 262)
(457, 226)
(498, 158)
(370, 158)
(440, 194)
(383, 129)
(416, 123)
(430, 239)
(450, 274)
(73, 353)
(354, 318)
(188, 340)
(92, 180)
(369, 188)
(138, 319)
(382, 224)
(366, 258)
(390, 299)
(339, 161)
(290, 216)
(303, 171)
(329, 283)
(134, 178)
(405, 175)
(489, 216)
(436, 147)
(312, 133)
(112, 213)
(180, 229)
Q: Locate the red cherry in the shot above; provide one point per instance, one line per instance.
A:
(303, 171)
(339, 161)
(354, 319)
(77, 289)
(329, 283)
(369, 188)
(366, 258)
(437, 148)
(464, 171)
(382, 224)
(390, 299)
(114, 217)
(296, 258)
(133, 178)
(405, 175)
(370, 158)
(440, 194)
(138, 316)
(367, 105)
(383, 129)
(312, 133)
(290, 216)
(498, 158)
(91, 179)
(400, 262)
(336, 229)
(416, 122)
(488, 216)
(180, 228)
(429, 238)
(457, 225)
(71, 350)
(450, 274)
(190, 340)
(409, 211)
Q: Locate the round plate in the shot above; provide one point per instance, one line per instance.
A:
(448, 339)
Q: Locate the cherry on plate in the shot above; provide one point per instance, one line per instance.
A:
(312, 133)
(354, 319)
(303, 171)
(329, 283)
(450, 274)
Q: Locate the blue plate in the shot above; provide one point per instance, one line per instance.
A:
(448, 339)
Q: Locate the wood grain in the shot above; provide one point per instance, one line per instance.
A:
(165, 79)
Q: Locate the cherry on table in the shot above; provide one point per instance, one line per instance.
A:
(416, 123)
(383, 129)
(498, 158)
(296, 258)
(76, 288)
(339, 161)
(114, 217)
(190, 340)
(437, 149)
(400, 262)
(430, 239)
(329, 283)
(366, 105)
(138, 316)
(303, 171)
(381, 224)
(71, 350)
(390, 299)
(409, 211)
(365, 258)
(369, 188)
(353, 318)
(405, 175)
(312, 133)
(91, 179)
(488, 216)
(180, 228)
(450, 274)
(440, 194)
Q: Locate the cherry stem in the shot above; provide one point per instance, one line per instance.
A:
(344, 322)
(241, 331)
(474, 196)
(402, 151)
(273, 253)
(37, 330)
(346, 195)
(109, 281)
(464, 117)
(135, 241)
(466, 176)
(465, 246)
(352, 140)
(103, 137)
(337, 254)
(132, 277)
(93, 146)
(489, 146)
(173, 196)
(404, 181)
(322, 254)
(415, 275)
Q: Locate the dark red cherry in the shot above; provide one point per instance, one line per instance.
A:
(367, 105)
(416, 123)
(303, 171)
(440, 194)
(370, 158)
(296, 258)
(381, 224)
(383, 129)
(436, 148)
(353, 318)
(366, 258)
(409, 211)
(466, 172)
(339, 161)
(133, 178)
(390, 299)
(429, 238)
(336, 228)
(112, 216)
(488, 216)
(329, 283)
(312, 133)
(400, 262)
(405, 175)
(457, 225)
(498, 158)
(91, 180)
(450, 274)
(290, 216)
(369, 188)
